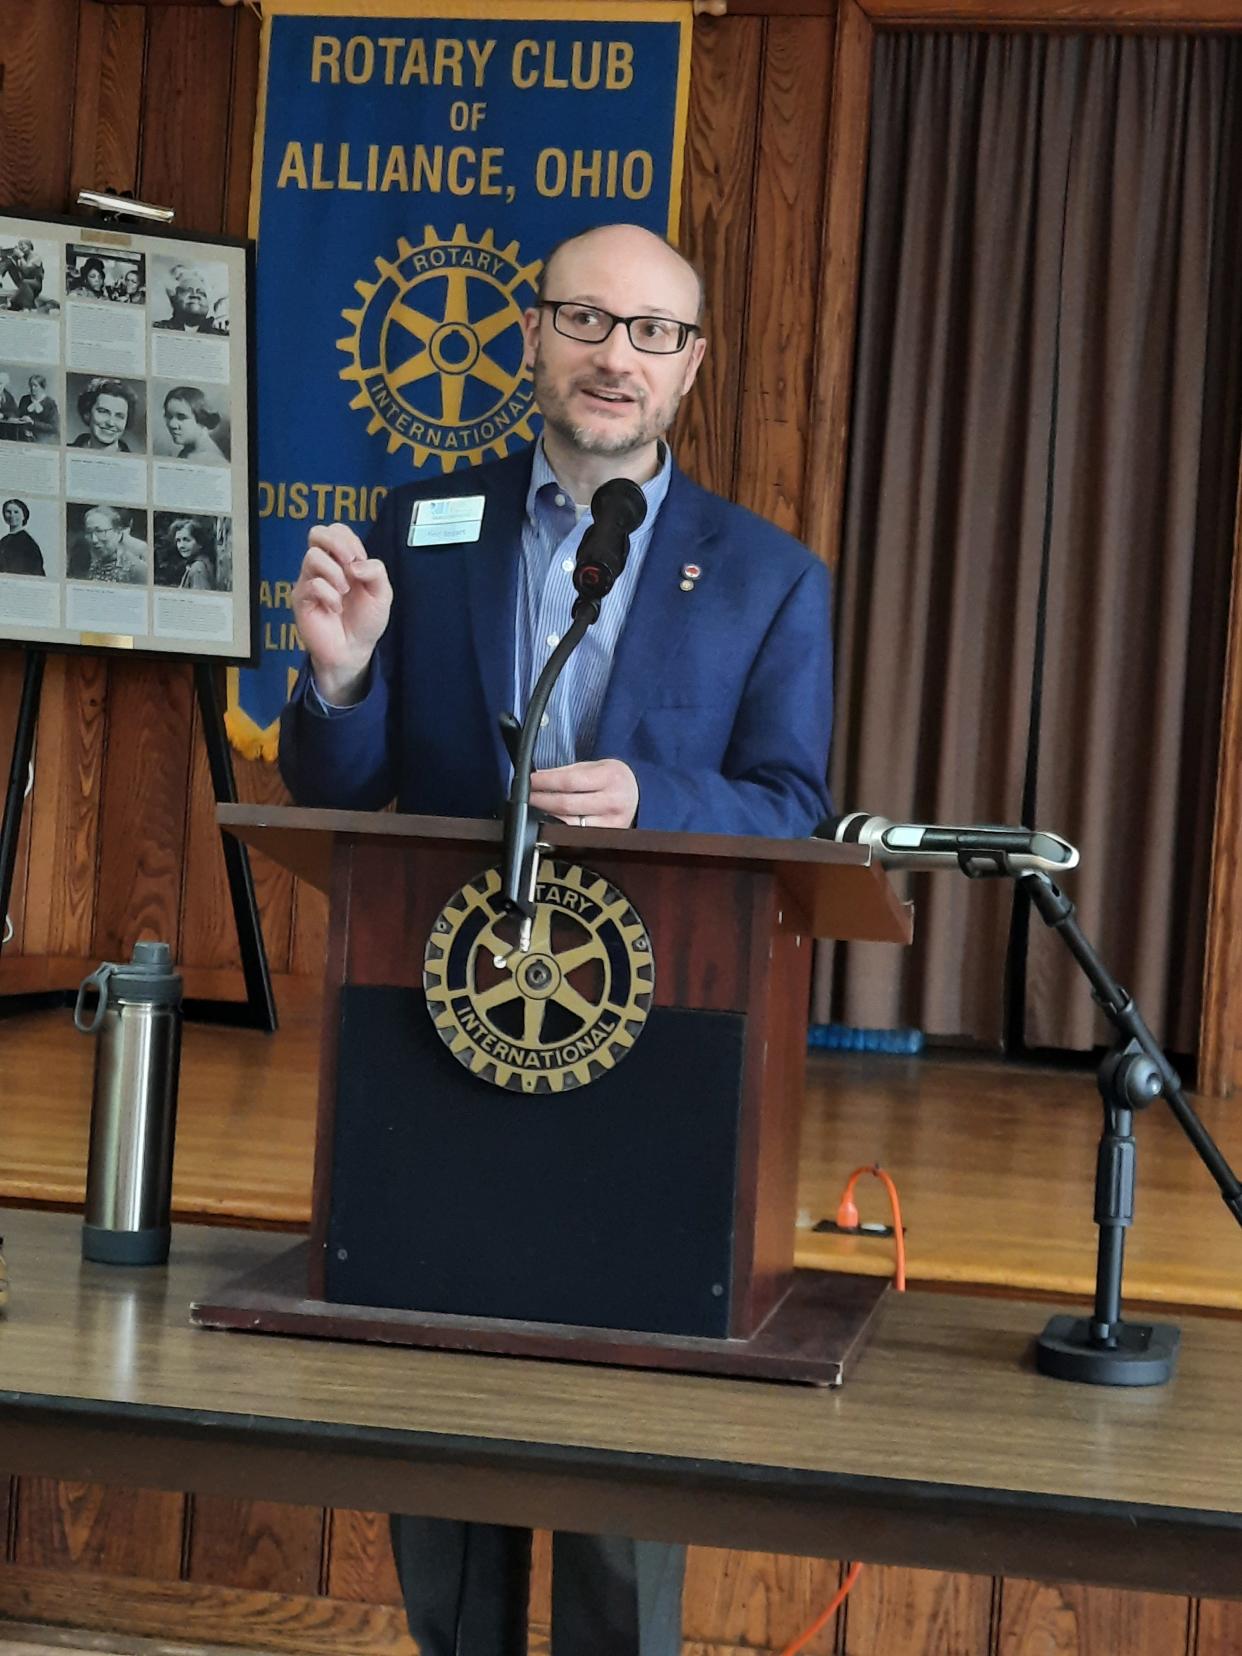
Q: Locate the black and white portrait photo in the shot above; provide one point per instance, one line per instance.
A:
(107, 543)
(21, 547)
(192, 422)
(193, 551)
(29, 276)
(29, 412)
(118, 278)
(189, 296)
(107, 414)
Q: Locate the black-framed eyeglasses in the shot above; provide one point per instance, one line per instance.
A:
(657, 335)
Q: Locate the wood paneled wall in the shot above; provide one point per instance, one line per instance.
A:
(300, 1580)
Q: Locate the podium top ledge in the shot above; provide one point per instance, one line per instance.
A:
(827, 878)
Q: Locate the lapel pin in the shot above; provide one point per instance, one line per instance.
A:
(689, 575)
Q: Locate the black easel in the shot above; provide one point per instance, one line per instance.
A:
(1104, 1349)
(10, 824)
(258, 1010)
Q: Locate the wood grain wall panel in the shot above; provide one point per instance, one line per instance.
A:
(243, 102)
(85, 1526)
(360, 1565)
(64, 822)
(757, 1599)
(849, 129)
(38, 52)
(206, 1618)
(261, 784)
(721, 140)
(784, 272)
(107, 121)
(1219, 1628)
(541, 1578)
(892, 1612)
(1039, 1620)
(142, 838)
(208, 928)
(8, 1485)
(309, 944)
(1220, 1018)
(208, 935)
(186, 118)
(264, 1546)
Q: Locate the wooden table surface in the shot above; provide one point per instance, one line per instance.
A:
(945, 1449)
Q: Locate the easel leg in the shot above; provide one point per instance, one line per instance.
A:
(260, 1003)
(14, 799)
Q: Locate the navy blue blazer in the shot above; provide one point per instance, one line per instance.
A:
(720, 699)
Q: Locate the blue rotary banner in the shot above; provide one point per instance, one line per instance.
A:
(411, 169)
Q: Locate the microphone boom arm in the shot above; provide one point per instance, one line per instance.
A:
(518, 862)
(617, 507)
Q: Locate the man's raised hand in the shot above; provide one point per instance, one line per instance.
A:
(341, 603)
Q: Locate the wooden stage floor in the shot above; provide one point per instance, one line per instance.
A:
(995, 1163)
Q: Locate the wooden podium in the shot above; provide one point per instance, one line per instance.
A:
(641, 1213)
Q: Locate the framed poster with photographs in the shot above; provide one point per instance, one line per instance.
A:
(125, 437)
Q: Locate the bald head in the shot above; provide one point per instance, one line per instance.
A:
(608, 375)
(579, 265)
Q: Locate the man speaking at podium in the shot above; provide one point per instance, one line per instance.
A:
(700, 700)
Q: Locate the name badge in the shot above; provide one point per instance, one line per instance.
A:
(446, 522)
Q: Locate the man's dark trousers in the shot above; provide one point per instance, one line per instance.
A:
(465, 1588)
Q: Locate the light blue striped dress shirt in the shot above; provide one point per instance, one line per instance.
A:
(552, 531)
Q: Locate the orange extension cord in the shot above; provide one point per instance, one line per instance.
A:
(847, 1219)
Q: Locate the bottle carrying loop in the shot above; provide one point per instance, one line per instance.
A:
(99, 981)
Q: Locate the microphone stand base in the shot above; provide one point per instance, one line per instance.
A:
(1145, 1353)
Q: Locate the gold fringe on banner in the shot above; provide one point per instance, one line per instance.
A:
(250, 740)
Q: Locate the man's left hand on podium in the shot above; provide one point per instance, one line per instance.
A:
(597, 793)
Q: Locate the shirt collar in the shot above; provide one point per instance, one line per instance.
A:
(544, 487)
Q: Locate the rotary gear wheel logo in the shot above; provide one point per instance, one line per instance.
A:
(555, 1016)
(436, 348)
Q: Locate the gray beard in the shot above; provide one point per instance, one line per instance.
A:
(653, 423)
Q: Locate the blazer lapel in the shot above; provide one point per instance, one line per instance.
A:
(491, 590)
(659, 615)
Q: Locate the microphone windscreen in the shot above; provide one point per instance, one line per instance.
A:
(619, 501)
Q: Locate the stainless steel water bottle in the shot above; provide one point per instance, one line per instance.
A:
(137, 1025)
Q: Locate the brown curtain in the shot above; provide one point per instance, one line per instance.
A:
(1038, 535)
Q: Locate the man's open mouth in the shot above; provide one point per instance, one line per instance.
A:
(604, 394)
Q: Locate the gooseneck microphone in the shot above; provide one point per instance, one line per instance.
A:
(976, 851)
(618, 507)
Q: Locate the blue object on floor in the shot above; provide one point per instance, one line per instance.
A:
(845, 1038)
